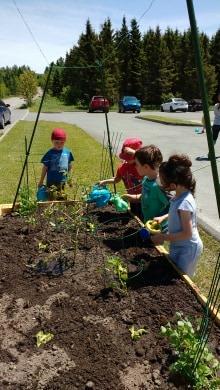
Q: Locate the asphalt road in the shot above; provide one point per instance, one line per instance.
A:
(17, 114)
(170, 139)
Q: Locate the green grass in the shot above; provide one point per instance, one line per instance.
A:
(87, 153)
(52, 104)
(86, 169)
(168, 120)
(206, 262)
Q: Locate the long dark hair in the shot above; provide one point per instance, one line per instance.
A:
(177, 170)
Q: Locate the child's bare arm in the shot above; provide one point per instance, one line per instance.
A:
(184, 234)
(43, 174)
(113, 180)
(132, 198)
(70, 167)
(161, 218)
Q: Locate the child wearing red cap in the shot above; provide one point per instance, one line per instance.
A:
(57, 162)
(127, 172)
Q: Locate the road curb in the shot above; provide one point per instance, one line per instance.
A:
(168, 123)
(209, 228)
(13, 124)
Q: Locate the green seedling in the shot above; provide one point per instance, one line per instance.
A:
(137, 333)
(119, 270)
(43, 337)
(42, 246)
(185, 341)
(91, 227)
(27, 204)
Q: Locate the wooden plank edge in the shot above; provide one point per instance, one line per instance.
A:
(7, 207)
(195, 289)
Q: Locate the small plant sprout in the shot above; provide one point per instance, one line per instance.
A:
(185, 341)
(43, 337)
(42, 246)
(91, 227)
(137, 333)
(27, 204)
(119, 270)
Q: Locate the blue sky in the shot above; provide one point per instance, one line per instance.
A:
(57, 24)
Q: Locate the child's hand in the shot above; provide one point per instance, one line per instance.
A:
(125, 197)
(158, 239)
(101, 182)
(40, 184)
(159, 219)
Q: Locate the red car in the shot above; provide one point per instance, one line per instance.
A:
(99, 103)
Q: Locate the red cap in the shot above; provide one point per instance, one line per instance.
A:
(58, 134)
(133, 143)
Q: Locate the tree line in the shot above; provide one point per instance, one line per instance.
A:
(151, 66)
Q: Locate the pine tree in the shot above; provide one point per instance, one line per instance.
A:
(109, 60)
(215, 57)
(123, 52)
(151, 76)
(136, 60)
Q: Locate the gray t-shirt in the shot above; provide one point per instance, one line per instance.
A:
(217, 114)
(185, 202)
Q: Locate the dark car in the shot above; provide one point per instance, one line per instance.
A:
(195, 105)
(5, 114)
(129, 103)
(99, 103)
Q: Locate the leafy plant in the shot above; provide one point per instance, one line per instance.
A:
(42, 246)
(119, 270)
(56, 193)
(185, 341)
(43, 337)
(27, 204)
(137, 333)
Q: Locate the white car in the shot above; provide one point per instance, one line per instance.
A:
(174, 104)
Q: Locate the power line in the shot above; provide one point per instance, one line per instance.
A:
(31, 33)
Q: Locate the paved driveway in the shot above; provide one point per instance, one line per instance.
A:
(170, 139)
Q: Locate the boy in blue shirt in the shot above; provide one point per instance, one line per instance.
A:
(154, 201)
(57, 162)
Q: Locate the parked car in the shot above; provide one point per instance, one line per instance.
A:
(5, 114)
(174, 104)
(195, 105)
(99, 103)
(129, 103)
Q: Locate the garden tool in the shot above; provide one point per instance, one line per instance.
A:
(99, 195)
(42, 194)
(119, 203)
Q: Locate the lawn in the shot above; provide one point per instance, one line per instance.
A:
(87, 153)
(168, 120)
(53, 104)
(88, 156)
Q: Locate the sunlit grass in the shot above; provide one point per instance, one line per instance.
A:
(168, 120)
(87, 154)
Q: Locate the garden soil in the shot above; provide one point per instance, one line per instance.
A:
(91, 346)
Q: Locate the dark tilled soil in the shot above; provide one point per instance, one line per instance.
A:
(91, 347)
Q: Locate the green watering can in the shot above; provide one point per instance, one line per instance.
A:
(120, 204)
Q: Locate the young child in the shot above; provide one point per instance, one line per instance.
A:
(127, 171)
(57, 162)
(154, 201)
(185, 243)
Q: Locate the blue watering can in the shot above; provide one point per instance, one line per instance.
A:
(42, 194)
(99, 195)
(119, 203)
(144, 233)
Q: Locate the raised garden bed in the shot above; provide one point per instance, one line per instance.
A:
(90, 321)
